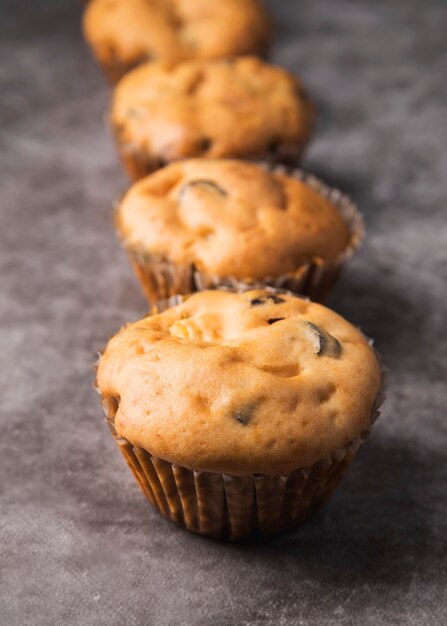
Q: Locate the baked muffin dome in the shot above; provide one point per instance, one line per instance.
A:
(124, 33)
(240, 383)
(231, 218)
(242, 108)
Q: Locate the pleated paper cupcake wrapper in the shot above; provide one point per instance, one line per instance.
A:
(234, 507)
(231, 507)
(161, 278)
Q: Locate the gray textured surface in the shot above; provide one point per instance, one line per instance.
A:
(79, 545)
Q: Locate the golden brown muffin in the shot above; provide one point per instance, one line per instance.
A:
(243, 108)
(239, 412)
(226, 218)
(241, 383)
(125, 33)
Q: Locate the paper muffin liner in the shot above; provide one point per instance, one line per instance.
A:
(233, 507)
(161, 278)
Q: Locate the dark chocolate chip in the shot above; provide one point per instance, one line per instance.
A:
(205, 144)
(272, 320)
(206, 184)
(264, 299)
(244, 415)
(326, 344)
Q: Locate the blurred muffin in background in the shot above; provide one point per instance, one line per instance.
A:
(125, 33)
(240, 108)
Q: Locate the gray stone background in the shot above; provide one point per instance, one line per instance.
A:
(78, 543)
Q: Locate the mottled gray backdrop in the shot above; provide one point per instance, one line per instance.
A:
(79, 544)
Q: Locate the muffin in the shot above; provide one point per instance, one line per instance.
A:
(242, 108)
(197, 224)
(239, 412)
(125, 33)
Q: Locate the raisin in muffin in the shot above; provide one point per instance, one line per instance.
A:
(202, 223)
(125, 33)
(239, 411)
(243, 108)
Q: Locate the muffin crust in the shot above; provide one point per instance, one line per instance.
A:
(231, 218)
(240, 383)
(215, 109)
(124, 33)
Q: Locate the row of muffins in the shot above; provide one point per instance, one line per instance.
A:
(237, 409)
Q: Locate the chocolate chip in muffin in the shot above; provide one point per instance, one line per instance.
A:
(324, 343)
(205, 144)
(244, 414)
(272, 320)
(208, 185)
(264, 299)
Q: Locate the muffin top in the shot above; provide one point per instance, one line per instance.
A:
(231, 218)
(254, 382)
(230, 108)
(173, 30)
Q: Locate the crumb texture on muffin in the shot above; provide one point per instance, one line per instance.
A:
(233, 108)
(173, 30)
(240, 383)
(231, 218)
